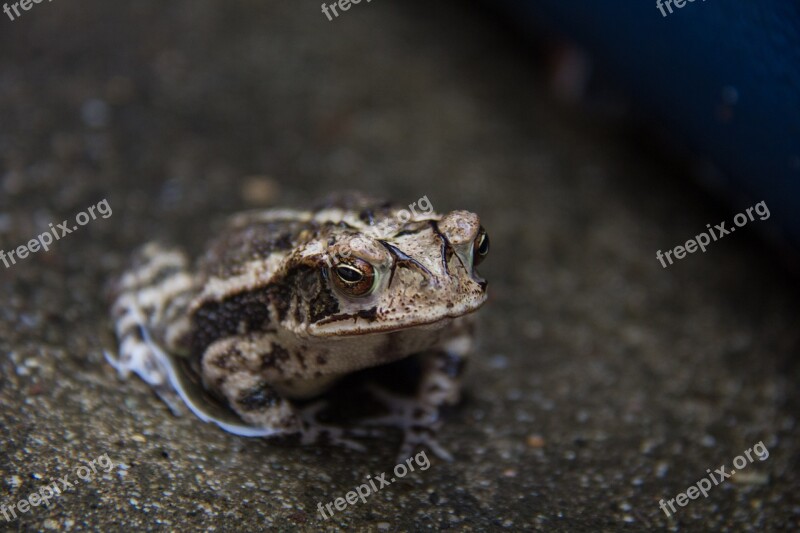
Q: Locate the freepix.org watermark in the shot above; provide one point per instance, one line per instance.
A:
(717, 232)
(363, 491)
(44, 240)
(704, 485)
(25, 5)
(669, 3)
(422, 206)
(85, 472)
(343, 5)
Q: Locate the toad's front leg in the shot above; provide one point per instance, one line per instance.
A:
(251, 374)
(440, 385)
(237, 369)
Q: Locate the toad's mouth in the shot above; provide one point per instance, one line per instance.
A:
(370, 321)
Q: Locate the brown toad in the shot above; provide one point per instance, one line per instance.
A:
(285, 302)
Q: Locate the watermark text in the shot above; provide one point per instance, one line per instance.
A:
(44, 240)
(718, 476)
(702, 240)
(52, 490)
(343, 5)
(362, 492)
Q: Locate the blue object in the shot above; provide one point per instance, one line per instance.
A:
(723, 76)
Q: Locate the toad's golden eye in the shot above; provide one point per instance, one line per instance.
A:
(355, 277)
(481, 247)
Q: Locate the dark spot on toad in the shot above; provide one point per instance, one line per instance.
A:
(367, 216)
(301, 359)
(258, 397)
(273, 359)
(248, 311)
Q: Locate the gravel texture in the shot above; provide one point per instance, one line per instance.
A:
(602, 381)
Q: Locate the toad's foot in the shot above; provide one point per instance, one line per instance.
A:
(313, 431)
(418, 419)
(138, 357)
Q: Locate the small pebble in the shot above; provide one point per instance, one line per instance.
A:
(535, 441)
(260, 190)
(750, 478)
(95, 113)
(498, 362)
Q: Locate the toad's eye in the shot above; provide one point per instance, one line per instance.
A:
(481, 247)
(356, 277)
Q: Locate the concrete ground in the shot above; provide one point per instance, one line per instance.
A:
(602, 382)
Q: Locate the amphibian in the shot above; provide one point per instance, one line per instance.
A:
(283, 303)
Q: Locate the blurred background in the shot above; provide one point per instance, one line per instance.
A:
(714, 86)
(586, 138)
